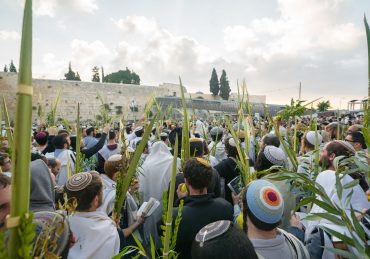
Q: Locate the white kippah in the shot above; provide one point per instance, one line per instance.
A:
(275, 155)
(115, 158)
(310, 136)
(232, 142)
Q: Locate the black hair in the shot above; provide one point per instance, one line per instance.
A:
(217, 137)
(41, 140)
(59, 141)
(233, 244)
(89, 130)
(358, 137)
(112, 135)
(271, 140)
(196, 149)
(197, 174)
(231, 150)
(262, 163)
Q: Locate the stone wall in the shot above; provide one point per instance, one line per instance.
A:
(86, 93)
(117, 96)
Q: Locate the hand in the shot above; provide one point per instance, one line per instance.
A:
(52, 131)
(106, 129)
(295, 221)
(140, 220)
(235, 197)
(181, 194)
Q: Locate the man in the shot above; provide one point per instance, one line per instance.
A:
(96, 233)
(307, 160)
(66, 157)
(200, 208)
(219, 150)
(196, 150)
(5, 195)
(90, 140)
(41, 139)
(138, 135)
(357, 140)
(111, 148)
(263, 208)
(5, 164)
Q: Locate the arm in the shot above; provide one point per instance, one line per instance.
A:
(89, 152)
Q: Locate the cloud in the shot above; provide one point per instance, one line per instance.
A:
(9, 35)
(52, 7)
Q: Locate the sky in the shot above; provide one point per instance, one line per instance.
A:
(271, 44)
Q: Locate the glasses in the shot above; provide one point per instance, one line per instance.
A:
(348, 140)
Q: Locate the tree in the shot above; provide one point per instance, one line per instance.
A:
(12, 68)
(102, 74)
(323, 106)
(224, 86)
(214, 85)
(123, 77)
(71, 75)
(95, 77)
(5, 68)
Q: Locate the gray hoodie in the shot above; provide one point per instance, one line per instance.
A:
(42, 188)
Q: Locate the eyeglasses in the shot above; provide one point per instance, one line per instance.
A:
(347, 140)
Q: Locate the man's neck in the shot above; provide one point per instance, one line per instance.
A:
(111, 142)
(254, 233)
(195, 192)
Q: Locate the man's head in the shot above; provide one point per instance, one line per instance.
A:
(54, 165)
(112, 135)
(61, 142)
(230, 148)
(269, 140)
(268, 157)
(308, 141)
(354, 128)
(5, 162)
(90, 132)
(41, 138)
(197, 174)
(5, 195)
(216, 133)
(196, 147)
(221, 239)
(87, 189)
(357, 140)
(263, 205)
(164, 137)
(112, 165)
(334, 149)
(139, 131)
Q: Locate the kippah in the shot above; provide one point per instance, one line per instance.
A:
(216, 130)
(275, 155)
(115, 158)
(138, 129)
(213, 230)
(191, 140)
(310, 136)
(232, 142)
(163, 134)
(203, 161)
(241, 134)
(41, 134)
(78, 182)
(265, 201)
(347, 145)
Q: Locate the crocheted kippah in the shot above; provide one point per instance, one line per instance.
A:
(265, 201)
(115, 158)
(212, 230)
(216, 130)
(347, 145)
(203, 161)
(78, 182)
(275, 155)
(310, 136)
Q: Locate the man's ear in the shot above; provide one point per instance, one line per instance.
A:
(332, 157)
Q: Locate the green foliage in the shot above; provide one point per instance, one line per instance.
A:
(26, 233)
(224, 86)
(367, 29)
(104, 110)
(71, 75)
(95, 77)
(123, 77)
(214, 85)
(5, 69)
(185, 144)
(51, 116)
(3, 252)
(323, 106)
(12, 68)
(294, 109)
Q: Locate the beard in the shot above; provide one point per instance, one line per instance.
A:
(324, 161)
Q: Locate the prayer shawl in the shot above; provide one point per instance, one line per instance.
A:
(96, 235)
(220, 153)
(156, 177)
(108, 151)
(64, 155)
(90, 142)
(200, 128)
(358, 202)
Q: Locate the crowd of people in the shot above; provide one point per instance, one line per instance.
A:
(259, 220)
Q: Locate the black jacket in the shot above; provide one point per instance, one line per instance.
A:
(228, 170)
(198, 211)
